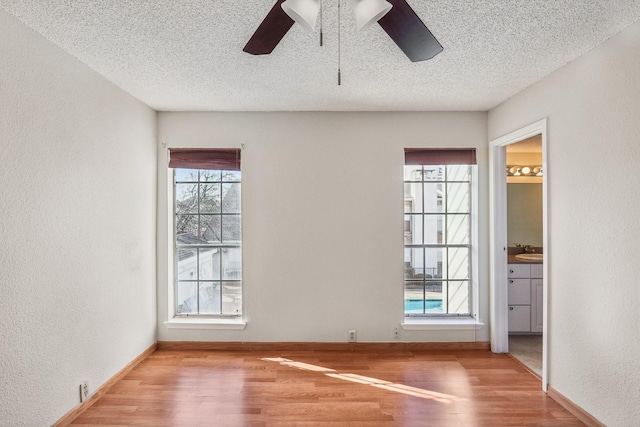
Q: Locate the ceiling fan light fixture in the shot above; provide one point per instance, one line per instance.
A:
(304, 12)
(368, 12)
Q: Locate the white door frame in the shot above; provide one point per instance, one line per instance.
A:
(498, 249)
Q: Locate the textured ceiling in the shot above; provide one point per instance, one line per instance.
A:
(187, 55)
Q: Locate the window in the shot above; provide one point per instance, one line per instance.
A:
(207, 232)
(437, 232)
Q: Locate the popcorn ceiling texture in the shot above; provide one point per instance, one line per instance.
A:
(188, 56)
(77, 232)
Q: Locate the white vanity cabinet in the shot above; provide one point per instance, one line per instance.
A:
(525, 298)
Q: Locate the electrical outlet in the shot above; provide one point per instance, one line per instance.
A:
(84, 391)
(352, 335)
(396, 334)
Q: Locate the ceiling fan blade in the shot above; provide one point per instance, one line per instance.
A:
(409, 32)
(272, 29)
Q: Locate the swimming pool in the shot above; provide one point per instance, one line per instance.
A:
(415, 306)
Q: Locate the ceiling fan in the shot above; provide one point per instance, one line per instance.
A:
(399, 21)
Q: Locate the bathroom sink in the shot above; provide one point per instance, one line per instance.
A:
(529, 257)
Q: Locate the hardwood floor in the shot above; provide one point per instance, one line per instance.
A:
(360, 387)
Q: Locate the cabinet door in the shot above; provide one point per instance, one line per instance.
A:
(519, 291)
(519, 318)
(536, 305)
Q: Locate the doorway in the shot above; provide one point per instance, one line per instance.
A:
(499, 239)
(524, 240)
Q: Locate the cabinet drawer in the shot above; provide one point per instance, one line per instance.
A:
(518, 270)
(536, 271)
(519, 291)
(519, 318)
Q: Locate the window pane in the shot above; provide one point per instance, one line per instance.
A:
(207, 175)
(231, 297)
(187, 297)
(182, 175)
(231, 176)
(231, 264)
(433, 196)
(186, 198)
(433, 233)
(458, 197)
(231, 229)
(209, 264)
(210, 198)
(209, 297)
(458, 297)
(413, 229)
(210, 228)
(413, 173)
(433, 173)
(413, 297)
(413, 263)
(434, 267)
(413, 197)
(458, 263)
(187, 264)
(433, 297)
(231, 198)
(187, 229)
(458, 229)
(458, 173)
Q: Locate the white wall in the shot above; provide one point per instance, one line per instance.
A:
(323, 225)
(593, 107)
(77, 227)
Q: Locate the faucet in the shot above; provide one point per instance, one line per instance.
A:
(529, 249)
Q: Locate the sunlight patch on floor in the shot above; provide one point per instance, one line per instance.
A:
(374, 382)
(298, 365)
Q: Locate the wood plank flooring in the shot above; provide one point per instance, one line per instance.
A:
(265, 388)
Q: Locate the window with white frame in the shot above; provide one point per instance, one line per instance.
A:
(207, 232)
(438, 232)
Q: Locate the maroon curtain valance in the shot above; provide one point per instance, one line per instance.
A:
(205, 158)
(440, 156)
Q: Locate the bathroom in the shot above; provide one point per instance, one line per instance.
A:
(525, 237)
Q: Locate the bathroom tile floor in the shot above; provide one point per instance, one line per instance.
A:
(528, 350)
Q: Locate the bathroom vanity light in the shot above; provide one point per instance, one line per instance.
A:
(513, 170)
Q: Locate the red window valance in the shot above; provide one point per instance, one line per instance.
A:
(205, 158)
(440, 156)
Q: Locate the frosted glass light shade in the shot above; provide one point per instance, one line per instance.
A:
(304, 12)
(369, 11)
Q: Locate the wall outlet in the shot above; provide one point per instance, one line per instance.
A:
(396, 334)
(84, 391)
(351, 337)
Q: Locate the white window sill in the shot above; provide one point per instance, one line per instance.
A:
(200, 323)
(440, 324)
